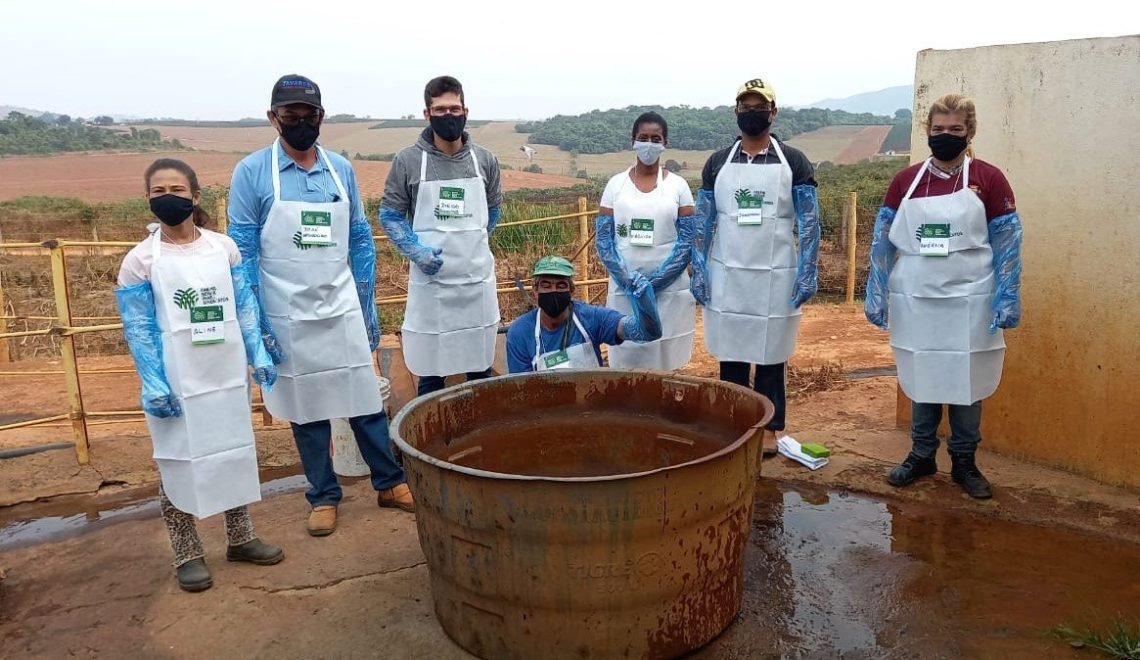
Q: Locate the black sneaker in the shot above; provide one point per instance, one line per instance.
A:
(966, 474)
(912, 468)
(194, 576)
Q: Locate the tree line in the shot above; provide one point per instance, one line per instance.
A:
(608, 131)
(21, 134)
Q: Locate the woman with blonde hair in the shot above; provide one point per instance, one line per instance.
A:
(946, 272)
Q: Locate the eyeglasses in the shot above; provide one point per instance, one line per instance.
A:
(444, 110)
(748, 107)
(546, 286)
(293, 120)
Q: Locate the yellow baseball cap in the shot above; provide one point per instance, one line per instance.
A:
(757, 86)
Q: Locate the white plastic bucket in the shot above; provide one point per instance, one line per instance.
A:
(346, 458)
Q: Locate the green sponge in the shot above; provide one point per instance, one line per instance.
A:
(815, 450)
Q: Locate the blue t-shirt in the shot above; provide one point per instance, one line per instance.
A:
(601, 322)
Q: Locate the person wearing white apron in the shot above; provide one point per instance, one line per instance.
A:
(750, 274)
(449, 189)
(191, 323)
(295, 213)
(645, 224)
(945, 270)
(562, 333)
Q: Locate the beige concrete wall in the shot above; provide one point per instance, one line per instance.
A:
(1062, 119)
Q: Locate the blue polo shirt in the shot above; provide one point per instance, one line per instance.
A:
(601, 322)
(251, 193)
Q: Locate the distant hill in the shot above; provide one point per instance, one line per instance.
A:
(5, 109)
(882, 102)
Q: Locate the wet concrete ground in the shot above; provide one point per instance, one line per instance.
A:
(829, 574)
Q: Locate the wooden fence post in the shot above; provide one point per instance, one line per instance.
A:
(852, 224)
(583, 238)
(67, 351)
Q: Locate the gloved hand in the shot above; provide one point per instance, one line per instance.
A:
(876, 299)
(679, 257)
(645, 324)
(250, 320)
(265, 376)
(605, 242)
(140, 328)
(704, 227)
(699, 283)
(269, 341)
(805, 201)
(1005, 239)
(362, 259)
(400, 232)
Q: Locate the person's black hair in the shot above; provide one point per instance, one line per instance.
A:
(650, 118)
(442, 85)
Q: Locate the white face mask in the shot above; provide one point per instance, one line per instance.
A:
(648, 152)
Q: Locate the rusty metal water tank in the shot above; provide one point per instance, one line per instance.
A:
(584, 514)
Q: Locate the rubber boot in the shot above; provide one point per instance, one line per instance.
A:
(913, 467)
(966, 474)
(255, 552)
(194, 576)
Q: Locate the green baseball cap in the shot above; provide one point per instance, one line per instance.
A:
(554, 266)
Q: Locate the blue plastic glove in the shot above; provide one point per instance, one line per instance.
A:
(606, 243)
(805, 201)
(493, 215)
(1005, 239)
(399, 231)
(268, 339)
(362, 259)
(882, 259)
(249, 319)
(645, 324)
(679, 256)
(140, 327)
(704, 225)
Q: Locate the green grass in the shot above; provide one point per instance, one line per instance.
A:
(1122, 641)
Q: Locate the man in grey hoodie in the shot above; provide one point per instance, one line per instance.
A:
(441, 202)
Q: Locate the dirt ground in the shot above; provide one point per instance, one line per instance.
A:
(101, 177)
(840, 564)
(864, 146)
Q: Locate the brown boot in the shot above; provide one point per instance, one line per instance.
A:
(398, 497)
(322, 520)
(768, 448)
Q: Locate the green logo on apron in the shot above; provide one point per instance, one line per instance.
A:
(185, 298)
(623, 230)
(641, 232)
(554, 359)
(746, 199)
(934, 240)
(316, 228)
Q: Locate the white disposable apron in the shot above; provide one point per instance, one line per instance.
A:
(452, 317)
(650, 232)
(206, 456)
(575, 356)
(310, 298)
(941, 292)
(752, 264)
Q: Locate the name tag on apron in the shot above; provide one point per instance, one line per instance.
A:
(450, 203)
(934, 241)
(641, 232)
(556, 360)
(207, 325)
(316, 228)
(750, 207)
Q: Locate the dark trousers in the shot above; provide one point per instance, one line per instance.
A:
(429, 384)
(371, 432)
(965, 428)
(771, 381)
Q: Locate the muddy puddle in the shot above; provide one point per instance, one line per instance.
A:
(72, 515)
(836, 575)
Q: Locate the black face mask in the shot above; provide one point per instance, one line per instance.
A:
(753, 123)
(171, 209)
(554, 302)
(945, 146)
(301, 136)
(448, 127)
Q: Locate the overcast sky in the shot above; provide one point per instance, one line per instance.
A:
(217, 59)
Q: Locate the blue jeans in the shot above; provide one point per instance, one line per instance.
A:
(371, 432)
(965, 428)
(770, 381)
(429, 384)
